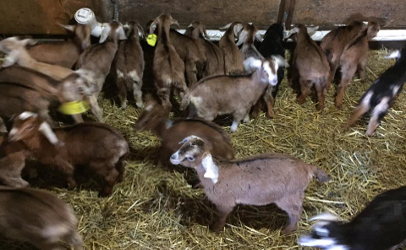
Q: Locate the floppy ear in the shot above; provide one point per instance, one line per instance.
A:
(253, 63)
(280, 61)
(105, 33)
(68, 27)
(242, 37)
(394, 54)
(121, 33)
(212, 171)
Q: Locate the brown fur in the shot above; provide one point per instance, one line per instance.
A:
(354, 58)
(333, 45)
(233, 59)
(129, 66)
(64, 53)
(260, 180)
(310, 67)
(168, 67)
(39, 218)
(214, 56)
(154, 117)
(95, 145)
(220, 95)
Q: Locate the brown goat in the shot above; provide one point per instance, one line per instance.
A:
(39, 218)
(354, 58)
(214, 64)
(260, 180)
(233, 59)
(155, 117)
(64, 53)
(129, 65)
(333, 45)
(96, 145)
(310, 66)
(168, 67)
(219, 95)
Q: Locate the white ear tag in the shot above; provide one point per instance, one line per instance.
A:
(212, 171)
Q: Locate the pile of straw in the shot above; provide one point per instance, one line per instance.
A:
(155, 208)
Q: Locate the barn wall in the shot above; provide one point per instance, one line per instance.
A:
(41, 16)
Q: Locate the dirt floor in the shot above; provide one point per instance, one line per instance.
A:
(155, 208)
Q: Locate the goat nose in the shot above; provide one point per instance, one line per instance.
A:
(173, 157)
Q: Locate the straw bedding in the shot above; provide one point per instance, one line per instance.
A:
(155, 208)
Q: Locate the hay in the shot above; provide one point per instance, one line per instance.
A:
(154, 207)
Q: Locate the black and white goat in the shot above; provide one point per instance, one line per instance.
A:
(383, 92)
(380, 226)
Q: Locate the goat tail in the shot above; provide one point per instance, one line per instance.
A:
(320, 174)
(185, 101)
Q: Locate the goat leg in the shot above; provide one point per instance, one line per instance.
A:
(223, 212)
(95, 108)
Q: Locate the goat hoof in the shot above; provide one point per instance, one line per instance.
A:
(216, 228)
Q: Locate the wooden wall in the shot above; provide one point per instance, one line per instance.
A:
(41, 16)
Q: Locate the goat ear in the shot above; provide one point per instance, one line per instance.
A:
(242, 37)
(253, 63)
(153, 27)
(46, 130)
(312, 30)
(212, 171)
(68, 27)
(280, 61)
(121, 33)
(394, 54)
(105, 33)
(238, 27)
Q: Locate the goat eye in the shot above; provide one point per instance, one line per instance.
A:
(190, 158)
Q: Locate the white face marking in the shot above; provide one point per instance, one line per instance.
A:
(186, 139)
(272, 78)
(26, 115)
(212, 171)
(46, 130)
(13, 132)
(175, 158)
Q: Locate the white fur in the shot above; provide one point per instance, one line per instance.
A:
(186, 139)
(395, 90)
(381, 107)
(196, 101)
(367, 98)
(46, 130)
(134, 76)
(54, 232)
(25, 115)
(212, 171)
(308, 241)
(13, 132)
(105, 33)
(168, 124)
(325, 217)
(394, 54)
(272, 77)
(120, 74)
(280, 61)
(234, 126)
(174, 158)
(149, 107)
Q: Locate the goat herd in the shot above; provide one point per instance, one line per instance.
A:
(203, 79)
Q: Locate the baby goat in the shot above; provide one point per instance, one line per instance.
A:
(155, 117)
(96, 145)
(219, 95)
(129, 65)
(39, 218)
(380, 226)
(383, 92)
(354, 58)
(261, 180)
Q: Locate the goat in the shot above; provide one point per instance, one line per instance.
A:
(3, 128)
(354, 58)
(234, 95)
(129, 65)
(39, 218)
(233, 59)
(249, 52)
(380, 226)
(333, 45)
(64, 53)
(154, 117)
(383, 92)
(310, 66)
(17, 54)
(190, 51)
(168, 67)
(214, 56)
(260, 180)
(96, 145)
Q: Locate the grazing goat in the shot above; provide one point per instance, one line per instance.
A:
(354, 58)
(129, 65)
(168, 67)
(96, 145)
(154, 117)
(261, 180)
(383, 92)
(333, 45)
(380, 226)
(233, 59)
(214, 56)
(64, 53)
(219, 95)
(310, 66)
(39, 218)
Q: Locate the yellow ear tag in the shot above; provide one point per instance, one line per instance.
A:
(73, 108)
(151, 39)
